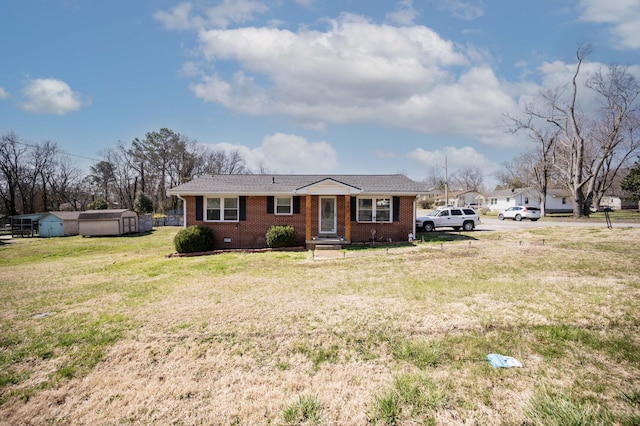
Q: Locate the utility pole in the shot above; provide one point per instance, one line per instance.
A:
(446, 182)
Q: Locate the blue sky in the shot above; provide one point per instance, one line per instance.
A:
(300, 86)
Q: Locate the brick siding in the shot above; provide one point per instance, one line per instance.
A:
(250, 233)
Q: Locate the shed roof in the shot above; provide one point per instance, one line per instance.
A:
(65, 215)
(102, 214)
(292, 184)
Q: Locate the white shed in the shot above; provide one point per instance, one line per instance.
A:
(108, 222)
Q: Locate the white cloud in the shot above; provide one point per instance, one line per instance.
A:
(356, 71)
(285, 153)
(50, 96)
(225, 13)
(405, 14)
(466, 10)
(623, 15)
(3, 93)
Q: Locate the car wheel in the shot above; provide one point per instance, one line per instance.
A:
(518, 218)
(501, 216)
(468, 226)
(428, 227)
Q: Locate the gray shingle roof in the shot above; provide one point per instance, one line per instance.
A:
(291, 184)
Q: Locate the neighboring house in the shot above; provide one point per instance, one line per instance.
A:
(558, 200)
(108, 222)
(469, 198)
(616, 202)
(344, 208)
(505, 198)
(58, 224)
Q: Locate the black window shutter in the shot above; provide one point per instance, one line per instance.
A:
(199, 207)
(243, 207)
(353, 209)
(396, 209)
(296, 205)
(270, 201)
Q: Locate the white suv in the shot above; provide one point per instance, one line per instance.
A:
(452, 217)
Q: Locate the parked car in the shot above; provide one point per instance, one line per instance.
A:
(520, 212)
(452, 217)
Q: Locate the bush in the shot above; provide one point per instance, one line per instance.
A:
(281, 236)
(194, 239)
(142, 204)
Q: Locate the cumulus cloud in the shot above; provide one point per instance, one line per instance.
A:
(622, 15)
(286, 153)
(185, 16)
(50, 96)
(3, 93)
(354, 71)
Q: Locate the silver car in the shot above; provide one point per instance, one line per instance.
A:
(520, 212)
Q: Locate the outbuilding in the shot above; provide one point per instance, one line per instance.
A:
(59, 224)
(108, 222)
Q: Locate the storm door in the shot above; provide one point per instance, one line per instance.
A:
(327, 215)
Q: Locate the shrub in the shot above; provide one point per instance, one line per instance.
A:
(281, 236)
(98, 204)
(142, 204)
(194, 239)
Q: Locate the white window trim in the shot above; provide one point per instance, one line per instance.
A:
(374, 198)
(222, 208)
(275, 206)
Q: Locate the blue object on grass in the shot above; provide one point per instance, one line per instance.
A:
(502, 361)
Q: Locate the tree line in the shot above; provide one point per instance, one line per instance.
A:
(38, 177)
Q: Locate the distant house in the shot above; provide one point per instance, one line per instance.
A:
(345, 208)
(108, 222)
(558, 200)
(58, 224)
(469, 198)
(505, 198)
(616, 202)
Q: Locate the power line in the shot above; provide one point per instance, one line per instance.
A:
(59, 150)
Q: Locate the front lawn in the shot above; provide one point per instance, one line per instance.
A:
(110, 331)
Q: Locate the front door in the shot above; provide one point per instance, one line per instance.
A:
(327, 215)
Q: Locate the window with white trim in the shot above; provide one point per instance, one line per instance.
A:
(221, 209)
(284, 205)
(374, 209)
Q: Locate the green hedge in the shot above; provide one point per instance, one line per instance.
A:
(281, 236)
(194, 239)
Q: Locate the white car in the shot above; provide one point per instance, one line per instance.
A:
(452, 217)
(520, 212)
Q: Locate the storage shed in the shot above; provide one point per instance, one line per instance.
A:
(59, 224)
(108, 222)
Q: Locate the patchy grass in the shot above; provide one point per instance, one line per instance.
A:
(108, 328)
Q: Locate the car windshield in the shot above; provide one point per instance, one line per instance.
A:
(434, 213)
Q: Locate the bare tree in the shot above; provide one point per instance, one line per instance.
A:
(577, 144)
(11, 156)
(469, 179)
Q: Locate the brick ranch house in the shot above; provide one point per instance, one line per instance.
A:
(344, 208)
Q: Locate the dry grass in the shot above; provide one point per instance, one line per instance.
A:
(393, 336)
